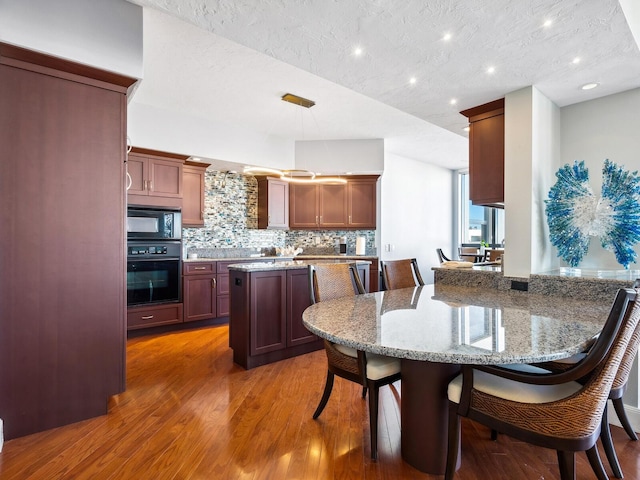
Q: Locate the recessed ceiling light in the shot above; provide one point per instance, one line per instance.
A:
(446, 37)
(357, 51)
(467, 128)
(196, 159)
(547, 23)
(491, 70)
(589, 86)
(453, 101)
(576, 60)
(413, 80)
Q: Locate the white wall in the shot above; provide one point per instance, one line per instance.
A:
(416, 211)
(340, 156)
(106, 34)
(593, 131)
(178, 132)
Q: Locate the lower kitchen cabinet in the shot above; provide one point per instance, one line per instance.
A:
(153, 316)
(265, 323)
(199, 287)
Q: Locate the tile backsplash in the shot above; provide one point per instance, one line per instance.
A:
(231, 220)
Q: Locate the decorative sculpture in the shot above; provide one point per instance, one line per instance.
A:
(575, 213)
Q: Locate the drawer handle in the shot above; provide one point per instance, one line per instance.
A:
(213, 283)
(147, 317)
(199, 268)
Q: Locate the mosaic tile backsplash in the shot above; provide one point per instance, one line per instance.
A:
(231, 220)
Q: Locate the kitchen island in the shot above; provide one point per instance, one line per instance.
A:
(267, 301)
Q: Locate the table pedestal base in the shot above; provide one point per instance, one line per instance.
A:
(424, 414)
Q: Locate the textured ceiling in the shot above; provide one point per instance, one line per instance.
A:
(232, 59)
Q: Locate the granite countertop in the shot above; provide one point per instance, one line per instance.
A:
(452, 324)
(280, 258)
(289, 264)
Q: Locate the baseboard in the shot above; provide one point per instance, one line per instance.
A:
(633, 414)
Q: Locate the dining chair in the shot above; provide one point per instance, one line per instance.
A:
(493, 255)
(400, 274)
(618, 388)
(548, 409)
(332, 281)
(441, 256)
(471, 254)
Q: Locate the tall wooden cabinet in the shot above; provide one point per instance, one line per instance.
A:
(486, 154)
(273, 203)
(62, 251)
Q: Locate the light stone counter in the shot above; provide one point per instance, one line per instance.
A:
(460, 325)
(290, 264)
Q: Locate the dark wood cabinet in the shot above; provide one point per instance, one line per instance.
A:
(265, 323)
(155, 178)
(273, 203)
(153, 316)
(199, 287)
(62, 288)
(343, 206)
(361, 197)
(193, 189)
(486, 154)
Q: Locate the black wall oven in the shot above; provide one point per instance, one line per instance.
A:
(153, 272)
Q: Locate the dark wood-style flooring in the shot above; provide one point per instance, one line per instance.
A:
(190, 413)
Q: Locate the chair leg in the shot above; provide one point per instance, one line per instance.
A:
(596, 464)
(373, 419)
(494, 434)
(622, 416)
(453, 436)
(567, 465)
(328, 386)
(364, 391)
(607, 443)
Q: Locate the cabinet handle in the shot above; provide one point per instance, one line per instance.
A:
(201, 214)
(321, 219)
(349, 219)
(150, 185)
(213, 283)
(316, 219)
(199, 268)
(147, 317)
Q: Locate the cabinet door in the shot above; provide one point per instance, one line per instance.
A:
(362, 203)
(268, 312)
(486, 160)
(333, 206)
(273, 203)
(137, 167)
(303, 206)
(199, 297)
(297, 301)
(165, 178)
(193, 196)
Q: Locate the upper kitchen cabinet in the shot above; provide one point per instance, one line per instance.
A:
(486, 153)
(327, 206)
(193, 193)
(155, 177)
(273, 203)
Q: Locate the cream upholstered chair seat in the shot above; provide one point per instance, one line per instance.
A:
(378, 366)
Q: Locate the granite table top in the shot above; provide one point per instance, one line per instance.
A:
(290, 264)
(461, 325)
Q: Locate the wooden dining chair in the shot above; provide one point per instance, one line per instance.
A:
(441, 256)
(493, 255)
(618, 388)
(331, 281)
(400, 274)
(547, 409)
(470, 254)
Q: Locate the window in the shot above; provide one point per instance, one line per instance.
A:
(477, 224)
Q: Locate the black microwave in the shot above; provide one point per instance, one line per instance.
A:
(146, 223)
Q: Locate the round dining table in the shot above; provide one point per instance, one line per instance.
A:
(434, 329)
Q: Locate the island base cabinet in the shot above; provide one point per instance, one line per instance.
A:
(265, 322)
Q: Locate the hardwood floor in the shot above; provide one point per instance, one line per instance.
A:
(190, 413)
